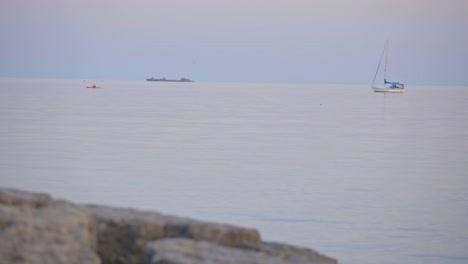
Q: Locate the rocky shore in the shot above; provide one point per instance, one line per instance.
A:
(35, 228)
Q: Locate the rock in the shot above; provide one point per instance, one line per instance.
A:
(35, 229)
(220, 234)
(295, 254)
(122, 233)
(23, 199)
(180, 250)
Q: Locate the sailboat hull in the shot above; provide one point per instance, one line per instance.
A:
(387, 90)
(388, 87)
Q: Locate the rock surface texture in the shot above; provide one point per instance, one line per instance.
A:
(34, 228)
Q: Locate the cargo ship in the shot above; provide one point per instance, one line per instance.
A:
(168, 80)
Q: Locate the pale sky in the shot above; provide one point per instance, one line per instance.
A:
(298, 41)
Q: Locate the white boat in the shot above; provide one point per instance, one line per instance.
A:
(387, 87)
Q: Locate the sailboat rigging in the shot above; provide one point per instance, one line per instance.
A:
(389, 87)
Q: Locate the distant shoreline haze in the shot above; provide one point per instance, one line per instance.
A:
(88, 81)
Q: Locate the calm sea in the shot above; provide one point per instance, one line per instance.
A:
(361, 176)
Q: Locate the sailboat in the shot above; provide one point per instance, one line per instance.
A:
(388, 87)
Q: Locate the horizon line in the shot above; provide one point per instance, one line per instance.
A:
(242, 82)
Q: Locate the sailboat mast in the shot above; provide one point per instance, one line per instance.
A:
(386, 60)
